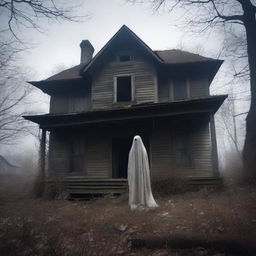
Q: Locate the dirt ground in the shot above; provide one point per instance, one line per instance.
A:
(105, 226)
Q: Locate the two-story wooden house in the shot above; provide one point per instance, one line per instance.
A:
(127, 89)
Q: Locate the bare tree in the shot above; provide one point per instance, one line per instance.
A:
(17, 17)
(20, 14)
(238, 21)
(13, 93)
(228, 123)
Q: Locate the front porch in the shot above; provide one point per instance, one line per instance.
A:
(90, 150)
(82, 186)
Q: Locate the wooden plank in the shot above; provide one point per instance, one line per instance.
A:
(96, 192)
(86, 187)
(103, 81)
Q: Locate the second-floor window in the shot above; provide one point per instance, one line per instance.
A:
(180, 89)
(123, 88)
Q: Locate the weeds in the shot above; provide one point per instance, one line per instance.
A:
(166, 186)
(105, 226)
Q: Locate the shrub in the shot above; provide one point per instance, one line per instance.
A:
(55, 189)
(165, 186)
(38, 189)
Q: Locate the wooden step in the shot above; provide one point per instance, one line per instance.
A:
(94, 183)
(80, 186)
(83, 193)
(95, 187)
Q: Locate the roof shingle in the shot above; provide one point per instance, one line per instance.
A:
(70, 73)
(168, 56)
(177, 56)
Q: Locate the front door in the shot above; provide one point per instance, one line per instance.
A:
(120, 152)
(121, 148)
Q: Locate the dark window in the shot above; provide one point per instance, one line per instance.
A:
(180, 91)
(77, 156)
(124, 58)
(183, 150)
(123, 88)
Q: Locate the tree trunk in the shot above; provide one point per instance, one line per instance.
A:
(249, 152)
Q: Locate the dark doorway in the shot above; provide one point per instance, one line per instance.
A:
(121, 148)
(120, 152)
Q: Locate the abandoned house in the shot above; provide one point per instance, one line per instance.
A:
(127, 89)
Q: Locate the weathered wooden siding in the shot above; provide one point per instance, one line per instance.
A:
(97, 151)
(99, 156)
(202, 151)
(198, 86)
(162, 155)
(59, 155)
(71, 102)
(164, 87)
(58, 104)
(103, 82)
(163, 151)
(67, 153)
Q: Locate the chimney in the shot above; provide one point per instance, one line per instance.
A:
(86, 51)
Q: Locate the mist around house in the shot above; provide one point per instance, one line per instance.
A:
(51, 224)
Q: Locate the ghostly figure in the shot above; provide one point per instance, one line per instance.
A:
(140, 194)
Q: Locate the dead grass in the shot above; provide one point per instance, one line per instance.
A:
(104, 226)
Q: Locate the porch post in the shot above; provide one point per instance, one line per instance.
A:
(214, 146)
(42, 155)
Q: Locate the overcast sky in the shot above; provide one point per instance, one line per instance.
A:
(59, 44)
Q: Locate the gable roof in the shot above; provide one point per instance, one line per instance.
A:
(173, 56)
(124, 30)
(168, 57)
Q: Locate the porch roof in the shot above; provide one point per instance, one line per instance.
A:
(135, 112)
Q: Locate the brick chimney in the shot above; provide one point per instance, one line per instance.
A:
(87, 51)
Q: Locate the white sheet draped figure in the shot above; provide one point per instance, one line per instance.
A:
(140, 194)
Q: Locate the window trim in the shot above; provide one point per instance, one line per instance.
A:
(171, 90)
(132, 75)
(126, 55)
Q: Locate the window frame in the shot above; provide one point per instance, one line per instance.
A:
(118, 57)
(176, 133)
(171, 90)
(77, 155)
(132, 75)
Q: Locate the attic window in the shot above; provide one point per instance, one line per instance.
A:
(125, 57)
(123, 88)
